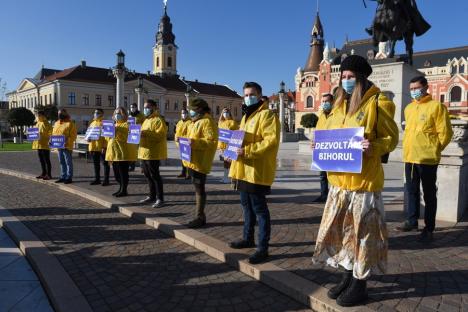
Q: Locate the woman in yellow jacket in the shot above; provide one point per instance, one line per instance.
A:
(203, 137)
(181, 131)
(352, 233)
(97, 148)
(153, 149)
(226, 122)
(66, 127)
(119, 152)
(42, 145)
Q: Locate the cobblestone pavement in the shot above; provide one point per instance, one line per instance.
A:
(425, 277)
(120, 265)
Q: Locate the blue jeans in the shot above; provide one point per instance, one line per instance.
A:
(66, 164)
(254, 207)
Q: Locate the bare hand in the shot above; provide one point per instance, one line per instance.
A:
(367, 147)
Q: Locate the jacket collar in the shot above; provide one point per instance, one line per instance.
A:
(424, 99)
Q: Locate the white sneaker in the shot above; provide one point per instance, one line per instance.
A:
(159, 203)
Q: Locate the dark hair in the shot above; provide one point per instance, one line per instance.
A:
(100, 110)
(254, 85)
(421, 79)
(329, 95)
(151, 102)
(40, 112)
(133, 104)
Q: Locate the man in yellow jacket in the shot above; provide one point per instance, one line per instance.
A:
(139, 119)
(181, 131)
(42, 145)
(153, 149)
(427, 132)
(66, 127)
(326, 107)
(254, 170)
(97, 148)
(203, 137)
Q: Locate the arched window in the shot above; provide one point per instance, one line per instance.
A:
(157, 62)
(461, 69)
(169, 61)
(455, 94)
(310, 102)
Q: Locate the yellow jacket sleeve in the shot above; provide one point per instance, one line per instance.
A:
(269, 131)
(387, 133)
(443, 126)
(157, 131)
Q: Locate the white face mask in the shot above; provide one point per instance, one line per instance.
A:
(184, 116)
(133, 109)
(226, 115)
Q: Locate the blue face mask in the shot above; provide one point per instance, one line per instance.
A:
(416, 94)
(250, 100)
(96, 116)
(118, 117)
(348, 85)
(192, 113)
(147, 111)
(326, 107)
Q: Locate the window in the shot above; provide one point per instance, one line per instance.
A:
(157, 61)
(55, 98)
(85, 100)
(169, 61)
(50, 99)
(442, 98)
(98, 100)
(166, 106)
(217, 110)
(310, 102)
(71, 98)
(176, 106)
(125, 101)
(455, 94)
(110, 101)
(45, 100)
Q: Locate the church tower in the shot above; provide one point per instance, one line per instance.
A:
(165, 49)
(316, 47)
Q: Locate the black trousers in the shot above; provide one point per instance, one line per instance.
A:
(323, 184)
(416, 174)
(97, 158)
(121, 174)
(44, 158)
(155, 183)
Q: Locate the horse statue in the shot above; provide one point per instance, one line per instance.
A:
(397, 20)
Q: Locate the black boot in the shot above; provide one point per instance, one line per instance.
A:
(336, 291)
(354, 295)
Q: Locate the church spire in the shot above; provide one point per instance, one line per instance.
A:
(317, 45)
(165, 49)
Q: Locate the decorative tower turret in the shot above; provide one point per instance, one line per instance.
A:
(165, 49)
(316, 47)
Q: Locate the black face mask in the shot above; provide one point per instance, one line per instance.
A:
(62, 116)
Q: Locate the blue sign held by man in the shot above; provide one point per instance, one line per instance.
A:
(134, 134)
(57, 141)
(338, 150)
(108, 129)
(224, 135)
(93, 134)
(235, 143)
(185, 149)
(33, 134)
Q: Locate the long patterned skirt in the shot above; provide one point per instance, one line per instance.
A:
(353, 233)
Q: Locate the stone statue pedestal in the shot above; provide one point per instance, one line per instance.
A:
(393, 80)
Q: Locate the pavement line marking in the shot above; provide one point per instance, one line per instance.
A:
(61, 290)
(302, 290)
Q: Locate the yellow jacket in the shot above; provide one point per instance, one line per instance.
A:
(321, 121)
(383, 138)
(203, 134)
(261, 143)
(68, 129)
(427, 132)
(229, 124)
(182, 129)
(45, 130)
(153, 142)
(99, 145)
(117, 147)
(139, 118)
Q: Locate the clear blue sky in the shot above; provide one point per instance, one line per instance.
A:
(224, 41)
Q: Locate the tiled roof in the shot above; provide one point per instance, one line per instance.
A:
(213, 89)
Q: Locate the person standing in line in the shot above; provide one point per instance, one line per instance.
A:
(254, 170)
(139, 118)
(181, 131)
(353, 234)
(119, 152)
(228, 123)
(203, 139)
(42, 145)
(153, 149)
(66, 127)
(427, 132)
(97, 148)
(326, 107)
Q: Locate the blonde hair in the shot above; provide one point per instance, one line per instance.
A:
(221, 117)
(355, 100)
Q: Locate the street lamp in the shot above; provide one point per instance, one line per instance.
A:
(188, 93)
(119, 71)
(139, 91)
(120, 59)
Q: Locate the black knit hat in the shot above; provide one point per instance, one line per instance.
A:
(356, 63)
(198, 103)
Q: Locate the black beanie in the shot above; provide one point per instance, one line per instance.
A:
(356, 63)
